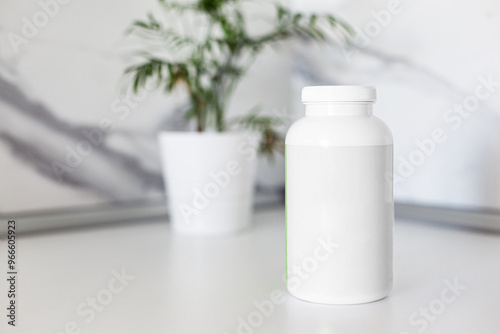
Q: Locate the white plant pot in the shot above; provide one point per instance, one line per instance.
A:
(209, 179)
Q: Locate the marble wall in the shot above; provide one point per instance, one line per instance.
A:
(70, 136)
(60, 86)
(436, 67)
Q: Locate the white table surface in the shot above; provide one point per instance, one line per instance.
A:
(197, 285)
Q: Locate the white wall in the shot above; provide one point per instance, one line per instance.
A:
(424, 58)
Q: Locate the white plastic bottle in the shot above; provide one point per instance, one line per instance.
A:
(339, 198)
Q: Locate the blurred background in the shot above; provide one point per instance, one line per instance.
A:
(435, 66)
(77, 148)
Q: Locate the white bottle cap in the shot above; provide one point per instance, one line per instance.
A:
(312, 94)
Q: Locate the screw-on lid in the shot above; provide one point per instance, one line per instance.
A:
(313, 94)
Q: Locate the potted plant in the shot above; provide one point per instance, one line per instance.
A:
(209, 172)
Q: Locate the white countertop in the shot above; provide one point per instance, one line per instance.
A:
(196, 285)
